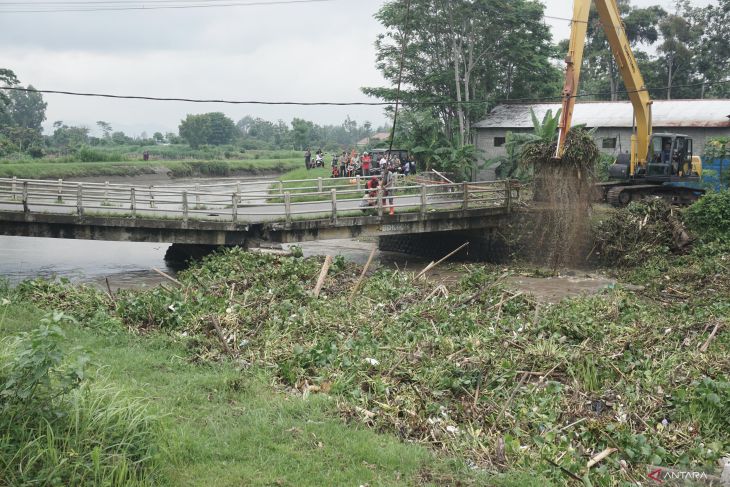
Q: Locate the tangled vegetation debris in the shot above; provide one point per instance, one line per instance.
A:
(629, 236)
(482, 372)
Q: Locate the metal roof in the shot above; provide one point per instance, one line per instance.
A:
(666, 113)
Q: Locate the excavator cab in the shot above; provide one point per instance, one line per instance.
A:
(671, 158)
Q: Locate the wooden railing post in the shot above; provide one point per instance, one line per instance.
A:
(14, 187)
(466, 195)
(334, 205)
(197, 195)
(185, 205)
(26, 209)
(380, 202)
(235, 207)
(133, 201)
(508, 195)
(359, 182)
(60, 191)
(287, 206)
(320, 187)
(106, 193)
(424, 200)
(152, 197)
(281, 187)
(80, 199)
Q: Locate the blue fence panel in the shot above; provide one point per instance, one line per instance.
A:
(716, 173)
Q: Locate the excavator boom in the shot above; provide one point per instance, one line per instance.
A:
(613, 27)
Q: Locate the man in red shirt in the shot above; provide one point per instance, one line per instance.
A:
(367, 159)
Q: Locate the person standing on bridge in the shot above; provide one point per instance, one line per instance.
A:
(388, 188)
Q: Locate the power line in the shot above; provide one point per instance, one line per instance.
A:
(364, 103)
(163, 7)
(566, 19)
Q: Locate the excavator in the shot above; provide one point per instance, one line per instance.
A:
(659, 165)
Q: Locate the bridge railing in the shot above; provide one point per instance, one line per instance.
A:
(310, 199)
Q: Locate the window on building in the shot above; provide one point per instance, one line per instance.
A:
(609, 143)
(499, 141)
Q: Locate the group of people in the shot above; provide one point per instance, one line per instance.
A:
(351, 164)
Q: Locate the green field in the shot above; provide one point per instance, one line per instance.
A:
(70, 170)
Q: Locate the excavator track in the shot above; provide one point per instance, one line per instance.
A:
(619, 196)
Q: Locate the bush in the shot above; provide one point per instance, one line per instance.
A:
(87, 154)
(58, 429)
(709, 218)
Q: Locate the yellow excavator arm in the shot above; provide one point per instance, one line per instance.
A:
(613, 26)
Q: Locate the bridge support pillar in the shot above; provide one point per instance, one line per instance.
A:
(178, 255)
(484, 245)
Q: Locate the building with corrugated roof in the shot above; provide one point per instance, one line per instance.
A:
(612, 121)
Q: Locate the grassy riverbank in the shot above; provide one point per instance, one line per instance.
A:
(210, 423)
(184, 168)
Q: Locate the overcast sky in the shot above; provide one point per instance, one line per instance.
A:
(302, 52)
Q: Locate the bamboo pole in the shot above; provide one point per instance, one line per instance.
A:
(362, 275)
(322, 275)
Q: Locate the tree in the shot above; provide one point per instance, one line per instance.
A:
(678, 35)
(302, 130)
(7, 78)
(543, 132)
(105, 127)
(158, 137)
(463, 51)
(23, 138)
(120, 138)
(68, 137)
(27, 109)
(207, 128)
(600, 72)
(222, 129)
(195, 129)
(711, 48)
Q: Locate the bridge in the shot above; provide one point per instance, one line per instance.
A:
(248, 213)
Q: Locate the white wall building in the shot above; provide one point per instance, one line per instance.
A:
(613, 121)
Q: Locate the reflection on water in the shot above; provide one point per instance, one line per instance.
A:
(126, 264)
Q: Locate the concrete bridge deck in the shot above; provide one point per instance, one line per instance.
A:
(228, 214)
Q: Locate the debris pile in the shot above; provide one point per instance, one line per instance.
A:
(475, 369)
(630, 236)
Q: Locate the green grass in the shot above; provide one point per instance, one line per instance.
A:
(70, 170)
(223, 424)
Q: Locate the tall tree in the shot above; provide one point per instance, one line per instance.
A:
(600, 73)
(195, 129)
(711, 49)
(675, 49)
(7, 78)
(222, 129)
(27, 109)
(105, 127)
(302, 130)
(463, 54)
